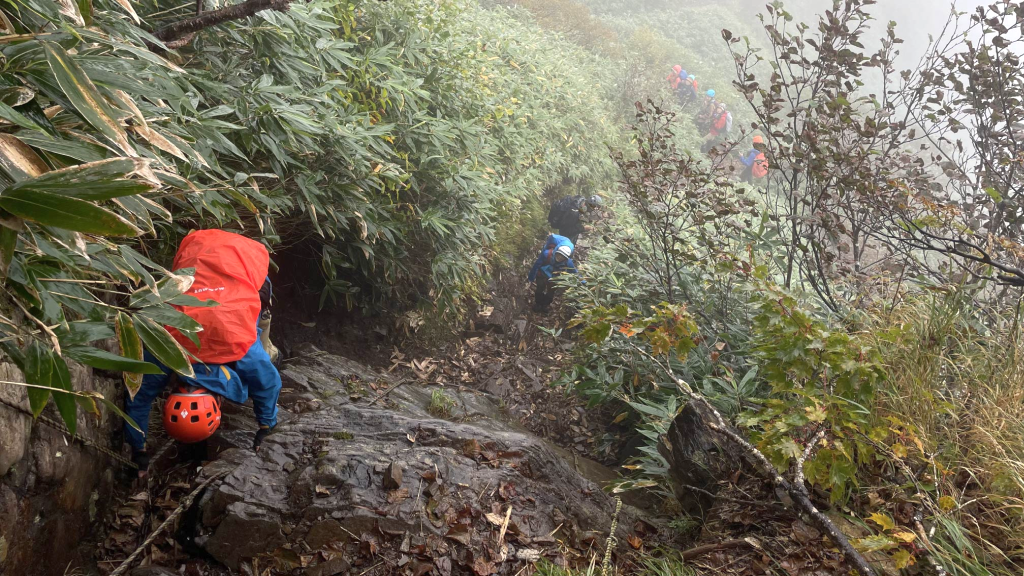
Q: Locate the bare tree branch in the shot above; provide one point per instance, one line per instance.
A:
(190, 26)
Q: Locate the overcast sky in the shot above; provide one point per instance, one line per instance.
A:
(915, 20)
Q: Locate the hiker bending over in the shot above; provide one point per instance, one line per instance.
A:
(675, 77)
(568, 215)
(232, 361)
(688, 90)
(555, 258)
(754, 162)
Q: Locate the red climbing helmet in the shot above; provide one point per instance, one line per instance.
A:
(191, 416)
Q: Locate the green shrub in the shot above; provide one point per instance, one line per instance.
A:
(441, 404)
(400, 140)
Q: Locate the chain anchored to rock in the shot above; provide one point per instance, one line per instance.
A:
(60, 427)
(606, 565)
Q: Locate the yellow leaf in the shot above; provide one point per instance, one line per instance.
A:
(816, 413)
(882, 520)
(907, 537)
(917, 442)
(899, 450)
(902, 559)
(947, 503)
(620, 417)
(157, 140)
(19, 160)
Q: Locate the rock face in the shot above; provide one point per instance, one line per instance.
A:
(698, 457)
(51, 488)
(435, 492)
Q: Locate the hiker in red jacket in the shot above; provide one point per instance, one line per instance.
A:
(721, 125)
(675, 77)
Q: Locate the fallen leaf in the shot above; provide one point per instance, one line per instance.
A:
(397, 495)
(902, 559)
(804, 533)
(322, 490)
(634, 541)
(460, 533)
(444, 565)
(907, 537)
(482, 567)
(883, 520)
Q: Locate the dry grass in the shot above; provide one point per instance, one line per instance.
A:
(960, 382)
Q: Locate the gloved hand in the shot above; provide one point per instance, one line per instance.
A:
(262, 433)
(141, 459)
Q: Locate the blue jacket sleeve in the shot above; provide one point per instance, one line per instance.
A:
(536, 267)
(748, 159)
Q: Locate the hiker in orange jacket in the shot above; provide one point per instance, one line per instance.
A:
(675, 77)
(754, 162)
(231, 360)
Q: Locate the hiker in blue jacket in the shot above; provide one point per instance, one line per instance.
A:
(554, 258)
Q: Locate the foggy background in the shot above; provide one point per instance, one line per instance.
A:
(915, 19)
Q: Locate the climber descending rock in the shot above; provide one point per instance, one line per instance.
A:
(232, 271)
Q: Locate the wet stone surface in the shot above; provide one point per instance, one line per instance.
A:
(338, 485)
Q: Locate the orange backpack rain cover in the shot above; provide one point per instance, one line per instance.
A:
(230, 269)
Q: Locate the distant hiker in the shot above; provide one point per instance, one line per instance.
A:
(567, 215)
(721, 125)
(674, 78)
(554, 258)
(702, 120)
(754, 162)
(232, 362)
(688, 89)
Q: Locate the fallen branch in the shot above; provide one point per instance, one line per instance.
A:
(709, 548)
(386, 392)
(173, 33)
(796, 491)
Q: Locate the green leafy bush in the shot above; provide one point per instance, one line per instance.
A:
(396, 140)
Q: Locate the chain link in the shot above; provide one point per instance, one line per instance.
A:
(60, 427)
(606, 565)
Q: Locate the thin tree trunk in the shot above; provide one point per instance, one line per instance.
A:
(182, 28)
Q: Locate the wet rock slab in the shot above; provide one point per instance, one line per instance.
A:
(349, 479)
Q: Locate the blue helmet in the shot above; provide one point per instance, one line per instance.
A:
(711, 93)
(683, 74)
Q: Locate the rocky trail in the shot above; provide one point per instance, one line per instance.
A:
(462, 462)
(458, 460)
